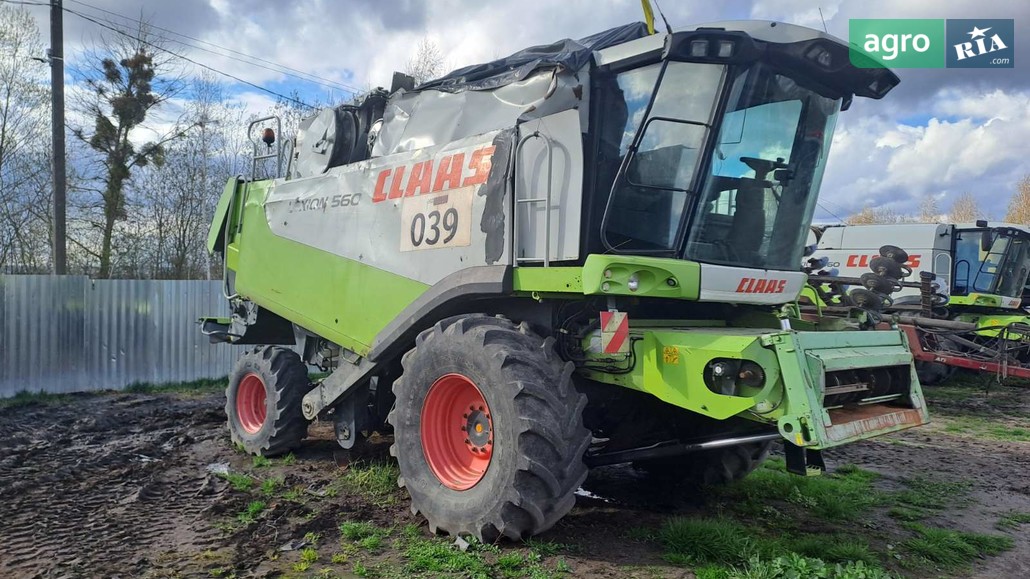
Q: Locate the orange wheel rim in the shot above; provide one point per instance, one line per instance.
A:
(457, 432)
(250, 403)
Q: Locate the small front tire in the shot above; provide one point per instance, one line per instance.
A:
(263, 401)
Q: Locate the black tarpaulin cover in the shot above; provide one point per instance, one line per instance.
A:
(568, 53)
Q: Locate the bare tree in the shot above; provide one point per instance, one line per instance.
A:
(965, 209)
(131, 77)
(929, 212)
(24, 144)
(1019, 205)
(427, 63)
(868, 216)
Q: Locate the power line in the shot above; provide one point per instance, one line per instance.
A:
(281, 68)
(108, 26)
(823, 207)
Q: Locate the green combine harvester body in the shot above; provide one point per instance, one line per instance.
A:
(548, 263)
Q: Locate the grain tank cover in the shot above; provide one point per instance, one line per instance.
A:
(334, 137)
(318, 141)
(568, 54)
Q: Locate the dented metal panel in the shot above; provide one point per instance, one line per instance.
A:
(430, 212)
(428, 118)
(71, 334)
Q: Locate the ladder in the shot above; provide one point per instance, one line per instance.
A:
(530, 201)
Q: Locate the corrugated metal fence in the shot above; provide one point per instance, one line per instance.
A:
(70, 333)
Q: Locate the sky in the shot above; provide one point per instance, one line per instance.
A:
(940, 133)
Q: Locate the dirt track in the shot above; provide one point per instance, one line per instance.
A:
(122, 485)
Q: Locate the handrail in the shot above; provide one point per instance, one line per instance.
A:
(546, 200)
(234, 206)
(256, 142)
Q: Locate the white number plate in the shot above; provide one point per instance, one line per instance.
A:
(437, 221)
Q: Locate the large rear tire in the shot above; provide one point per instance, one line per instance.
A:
(718, 466)
(263, 401)
(488, 429)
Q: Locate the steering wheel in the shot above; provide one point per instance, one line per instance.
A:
(762, 167)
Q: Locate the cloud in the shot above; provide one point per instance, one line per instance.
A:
(877, 162)
(941, 132)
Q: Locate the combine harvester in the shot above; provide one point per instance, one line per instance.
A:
(575, 256)
(981, 268)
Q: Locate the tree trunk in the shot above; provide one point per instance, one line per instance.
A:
(105, 247)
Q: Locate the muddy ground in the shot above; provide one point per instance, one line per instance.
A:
(147, 484)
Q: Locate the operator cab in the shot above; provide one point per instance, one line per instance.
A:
(994, 261)
(713, 147)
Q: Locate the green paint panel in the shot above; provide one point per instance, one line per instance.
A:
(981, 300)
(342, 300)
(548, 279)
(655, 276)
(993, 323)
(670, 364)
(215, 233)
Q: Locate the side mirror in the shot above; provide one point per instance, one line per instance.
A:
(986, 239)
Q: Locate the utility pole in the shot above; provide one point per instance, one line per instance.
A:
(56, 55)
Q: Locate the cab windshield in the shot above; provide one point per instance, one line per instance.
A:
(759, 196)
(751, 203)
(1002, 270)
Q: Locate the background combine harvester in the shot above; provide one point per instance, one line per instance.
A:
(571, 257)
(981, 268)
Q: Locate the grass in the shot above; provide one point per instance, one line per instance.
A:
(833, 548)
(239, 481)
(545, 548)
(1010, 521)
(720, 548)
(710, 540)
(355, 531)
(252, 512)
(371, 544)
(843, 495)
(294, 495)
(308, 557)
(949, 549)
(261, 461)
(289, 459)
(411, 531)
(428, 556)
(435, 557)
(1012, 430)
(926, 493)
(510, 564)
(903, 513)
(375, 481)
(270, 486)
(202, 386)
(965, 408)
(798, 566)
(26, 398)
